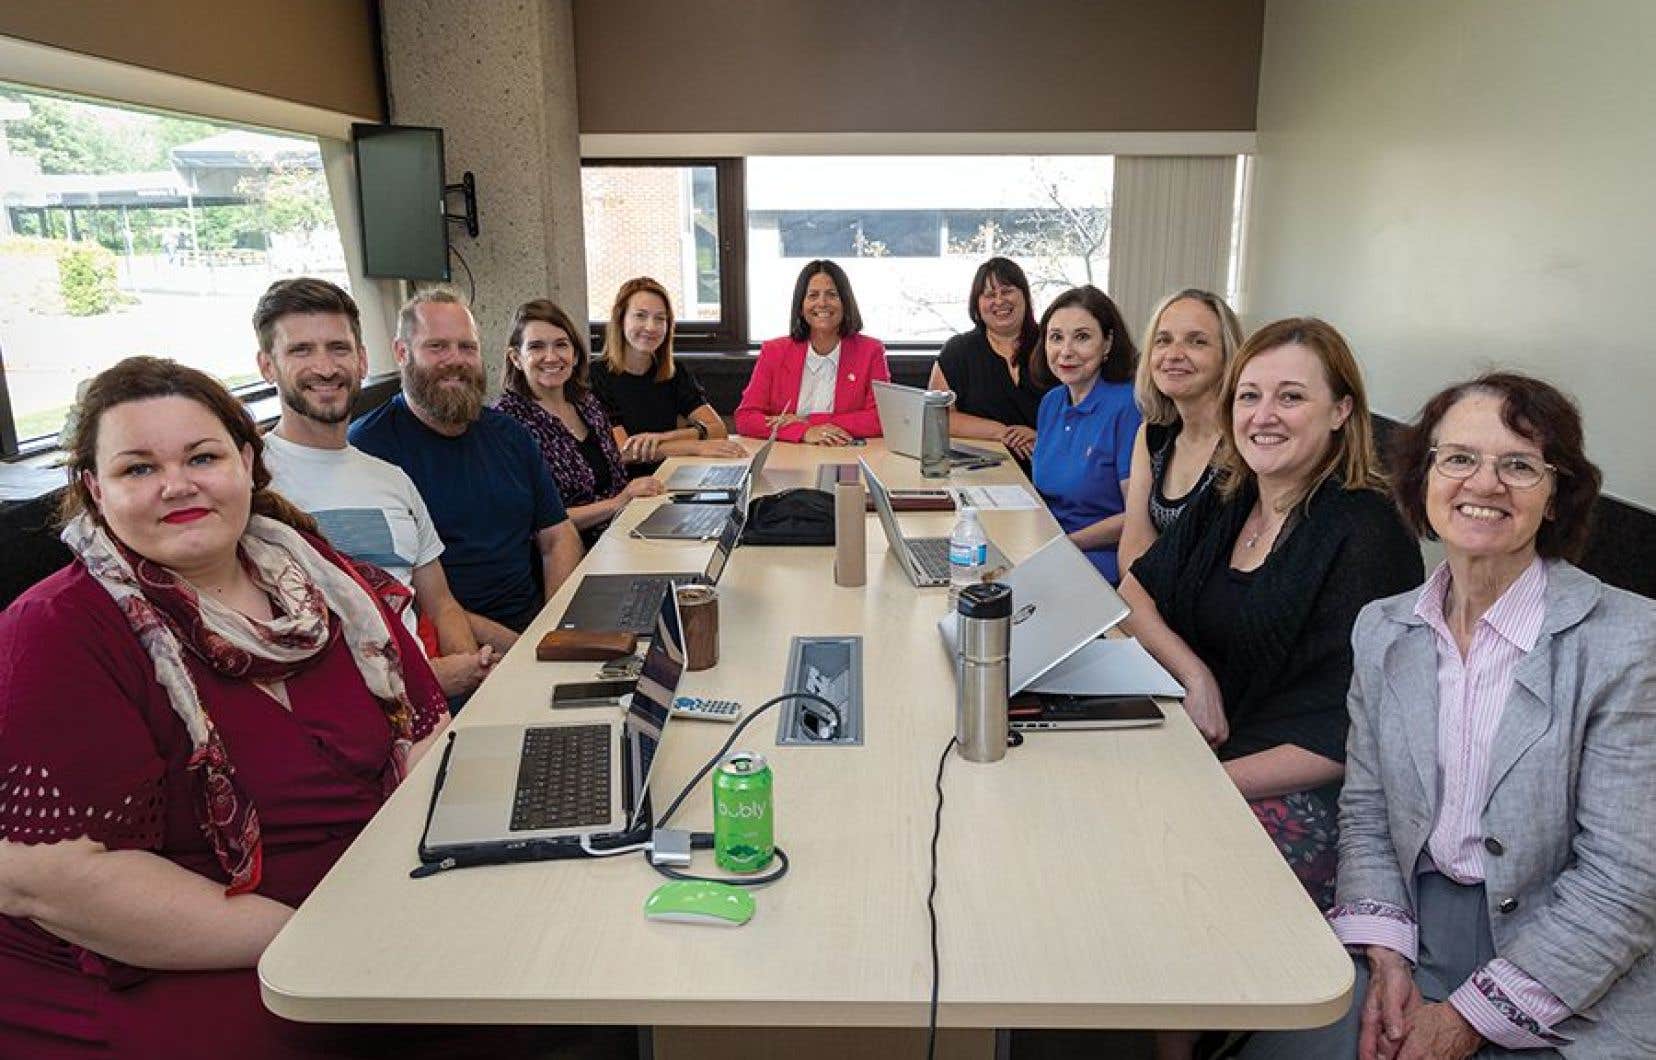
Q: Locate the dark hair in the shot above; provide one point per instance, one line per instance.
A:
(1006, 273)
(544, 311)
(1122, 358)
(143, 378)
(1531, 409)
(302, 294)
(1351, 455)
(615, 344)
(851, 316)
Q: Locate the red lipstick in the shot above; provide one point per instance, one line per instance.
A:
(185, 515)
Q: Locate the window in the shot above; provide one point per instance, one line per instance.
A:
(911, 231)
(678, 222)
(128, 232)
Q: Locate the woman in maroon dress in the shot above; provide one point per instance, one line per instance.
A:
(196, 718)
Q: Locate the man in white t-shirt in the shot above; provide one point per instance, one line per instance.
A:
(310, 347)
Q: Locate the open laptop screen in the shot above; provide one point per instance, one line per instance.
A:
(651, 704)
(728, 537)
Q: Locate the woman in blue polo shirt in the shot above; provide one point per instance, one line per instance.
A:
(1085, 428)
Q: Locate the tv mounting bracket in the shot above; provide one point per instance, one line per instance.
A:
(468, 189)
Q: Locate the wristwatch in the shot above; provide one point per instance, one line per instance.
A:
(701, 429)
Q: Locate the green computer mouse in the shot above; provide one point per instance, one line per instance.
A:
(700, 902)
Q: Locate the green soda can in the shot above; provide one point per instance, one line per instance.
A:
(744, 832)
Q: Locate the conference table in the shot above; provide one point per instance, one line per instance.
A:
(1109, 879)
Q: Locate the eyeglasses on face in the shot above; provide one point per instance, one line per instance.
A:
(1520, 471)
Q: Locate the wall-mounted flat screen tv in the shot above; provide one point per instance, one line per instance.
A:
(400, 191)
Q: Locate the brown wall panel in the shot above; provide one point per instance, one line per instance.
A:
(789, 66)
(324, 53)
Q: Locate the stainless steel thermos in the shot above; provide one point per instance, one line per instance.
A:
(983, 642)
(934, 433)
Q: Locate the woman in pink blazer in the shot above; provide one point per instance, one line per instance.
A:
(815, 382)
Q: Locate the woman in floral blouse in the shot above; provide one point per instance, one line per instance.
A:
(548, 390)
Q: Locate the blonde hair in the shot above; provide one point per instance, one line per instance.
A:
(407, 318)
(615, 344)
(1351, 455)
(1157, 406)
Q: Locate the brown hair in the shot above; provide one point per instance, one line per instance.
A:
(302, 294)
(1122, 358)
(545, 311)
(1157, 406)
(1530, 409)
(1351, 456)
(143, 378)
(1006, 273)
(615, 344)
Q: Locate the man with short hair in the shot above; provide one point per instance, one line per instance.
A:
(310, 347)
(496, 506)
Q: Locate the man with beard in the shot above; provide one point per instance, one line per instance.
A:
(310, 347)
(496, 507)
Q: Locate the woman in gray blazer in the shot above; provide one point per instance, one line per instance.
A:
(1497, 858)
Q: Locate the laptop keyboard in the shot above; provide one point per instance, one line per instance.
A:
(723, 476)
(643, 600)
(563, 778)
(703, 522)
(931, 555)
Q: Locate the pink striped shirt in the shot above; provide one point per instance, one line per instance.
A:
(1472, 695)
(1498, 1000)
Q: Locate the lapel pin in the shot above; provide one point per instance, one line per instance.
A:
(852, 376)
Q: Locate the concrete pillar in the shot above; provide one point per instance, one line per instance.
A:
(498, 76)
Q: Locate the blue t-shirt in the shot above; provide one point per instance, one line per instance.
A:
(1083, 453)
(489, 493)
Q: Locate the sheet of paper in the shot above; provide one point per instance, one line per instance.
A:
(1115, 666)
(1004, 497)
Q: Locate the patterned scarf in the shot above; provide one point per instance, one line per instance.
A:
(308, 584)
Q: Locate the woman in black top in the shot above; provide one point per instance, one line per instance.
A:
(1191, 339)
(645, 393)
(997, 382)
(1249, 599)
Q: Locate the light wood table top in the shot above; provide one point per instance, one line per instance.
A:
(1101, 879)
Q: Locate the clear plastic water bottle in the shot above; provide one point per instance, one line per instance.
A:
(968, 553)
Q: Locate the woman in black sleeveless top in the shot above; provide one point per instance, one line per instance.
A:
(997, 384)
(1192, 336)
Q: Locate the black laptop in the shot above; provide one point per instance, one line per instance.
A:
(629, 601)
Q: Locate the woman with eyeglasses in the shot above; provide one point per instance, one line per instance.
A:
(990, 368)
(1497, 867)
(815, 384)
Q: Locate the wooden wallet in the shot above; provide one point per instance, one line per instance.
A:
(585, 645)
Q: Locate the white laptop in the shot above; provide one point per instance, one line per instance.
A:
(901, 413)
(924, 559)
(1059, 603)
(548, 786)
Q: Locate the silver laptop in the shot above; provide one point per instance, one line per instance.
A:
(630, 601)
(924, 559)
(901, 411)
(551, 785)
(699, 478)
(693, 522)
(1059, 603)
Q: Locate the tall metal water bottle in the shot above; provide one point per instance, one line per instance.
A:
(934, 433)
(983, 644)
